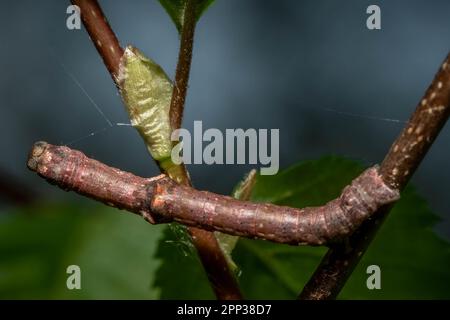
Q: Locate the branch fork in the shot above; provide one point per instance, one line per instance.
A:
(221, 277)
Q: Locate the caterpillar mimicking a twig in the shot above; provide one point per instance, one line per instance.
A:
(161, 200)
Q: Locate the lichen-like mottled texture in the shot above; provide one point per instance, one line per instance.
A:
(161, 200)
(147, 92)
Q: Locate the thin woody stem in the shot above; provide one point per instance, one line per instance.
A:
(162, 200)
(101, 34)
(214, 262)
(403, 158)
(183, 66)
(222, 278)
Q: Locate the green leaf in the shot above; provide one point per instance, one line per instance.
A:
(176, 8)
(112, 248)
(413, 259)
(146, 91)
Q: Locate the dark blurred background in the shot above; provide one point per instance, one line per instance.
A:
(257, 64)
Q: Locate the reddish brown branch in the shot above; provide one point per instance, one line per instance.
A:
(412, 144)
(400, 163)
(101, 34)
(161, 200)
(221, 277)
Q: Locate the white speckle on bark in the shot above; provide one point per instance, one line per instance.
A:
(437, 108)
(419, 129)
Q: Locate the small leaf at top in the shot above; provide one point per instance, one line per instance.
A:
(176, 10)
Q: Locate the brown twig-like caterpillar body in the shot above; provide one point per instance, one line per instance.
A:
(161, 200)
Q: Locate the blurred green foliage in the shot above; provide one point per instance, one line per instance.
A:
(113, 249)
